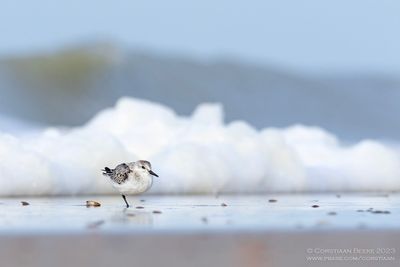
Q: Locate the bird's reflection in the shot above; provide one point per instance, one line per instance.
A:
(133, 217)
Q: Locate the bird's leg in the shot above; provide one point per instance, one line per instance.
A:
(127, 205)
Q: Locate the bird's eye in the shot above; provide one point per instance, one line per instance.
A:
(143, 167)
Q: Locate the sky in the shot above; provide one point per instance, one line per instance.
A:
(309, 35)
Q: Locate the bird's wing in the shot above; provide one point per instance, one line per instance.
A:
(121, 173)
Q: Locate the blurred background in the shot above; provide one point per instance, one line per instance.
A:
(334, 64)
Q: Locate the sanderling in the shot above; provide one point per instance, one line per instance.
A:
(131, 178)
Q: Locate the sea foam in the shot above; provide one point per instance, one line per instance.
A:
(195, 154)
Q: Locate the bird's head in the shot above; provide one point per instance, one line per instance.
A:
(144, 167)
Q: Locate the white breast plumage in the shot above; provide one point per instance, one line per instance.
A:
(135, 184)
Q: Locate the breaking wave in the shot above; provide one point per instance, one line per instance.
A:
(196, 154)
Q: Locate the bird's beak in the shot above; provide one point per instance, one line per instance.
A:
(153, 173)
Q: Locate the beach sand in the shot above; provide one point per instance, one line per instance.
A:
(247, 230)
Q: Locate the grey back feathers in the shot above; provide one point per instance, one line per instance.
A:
(119, 174)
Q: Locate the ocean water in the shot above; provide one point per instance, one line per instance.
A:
(93, 76)
(199, 153)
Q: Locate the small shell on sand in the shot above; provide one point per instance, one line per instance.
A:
(24, 203)
(92, 203)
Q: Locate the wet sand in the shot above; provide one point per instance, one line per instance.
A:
(201, 230)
